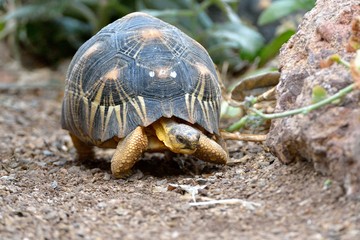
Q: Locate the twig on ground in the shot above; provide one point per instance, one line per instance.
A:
(243, 137)
(247, 204)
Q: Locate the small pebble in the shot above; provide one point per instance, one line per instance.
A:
(261, 183)
(51, 215)
(121, 211)
(202, 181)
(219, 174)
(14, 165)
(31, 209)
(95, 170)
(54, 184)
(61, 162)
(11, 177)
(64, 148)
(212, 179)
(107, 177)
(53, 170)
(101, 205)
(63, 171)
(41, 164)
(74, 169)
(263, 164)
(161, 182)
(48, 153)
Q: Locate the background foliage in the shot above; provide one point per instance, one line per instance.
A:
(237, 32)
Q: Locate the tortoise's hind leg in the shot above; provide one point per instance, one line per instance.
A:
(84, 151)
(210, 151)
(128, 152)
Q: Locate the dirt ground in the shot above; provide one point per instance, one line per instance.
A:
(46, 194)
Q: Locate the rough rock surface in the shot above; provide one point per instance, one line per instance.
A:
(330, 136)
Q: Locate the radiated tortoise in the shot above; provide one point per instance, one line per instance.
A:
(141, 84)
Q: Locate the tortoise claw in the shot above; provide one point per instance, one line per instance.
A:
(123, 175)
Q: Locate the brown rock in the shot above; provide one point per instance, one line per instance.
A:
(330, 136)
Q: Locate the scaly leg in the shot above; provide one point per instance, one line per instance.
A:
(128, 152)
(84, 151)
(210, 151)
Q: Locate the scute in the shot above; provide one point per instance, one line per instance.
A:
(133, 72)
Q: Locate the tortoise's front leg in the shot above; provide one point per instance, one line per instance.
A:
(210, 151)
(83, 150)
(128, 152)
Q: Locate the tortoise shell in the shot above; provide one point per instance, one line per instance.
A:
(133, 72)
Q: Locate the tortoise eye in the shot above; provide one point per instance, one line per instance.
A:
(180, 139)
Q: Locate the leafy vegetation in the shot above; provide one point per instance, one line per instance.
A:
(281, 8)
(53, 29)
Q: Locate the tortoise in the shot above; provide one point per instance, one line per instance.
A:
(141, 84)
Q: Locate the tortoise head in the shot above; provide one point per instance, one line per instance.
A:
(178, 137)
(183, 138)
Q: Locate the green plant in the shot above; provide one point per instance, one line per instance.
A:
(319, 96)
(281, 8)
(53, 29)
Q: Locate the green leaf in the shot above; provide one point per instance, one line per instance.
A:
(239, 124)
(318, 94)
(2, 26)
(237, 36)
(283, 8)
(327, 183)
(228, 111)
(272, 49)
